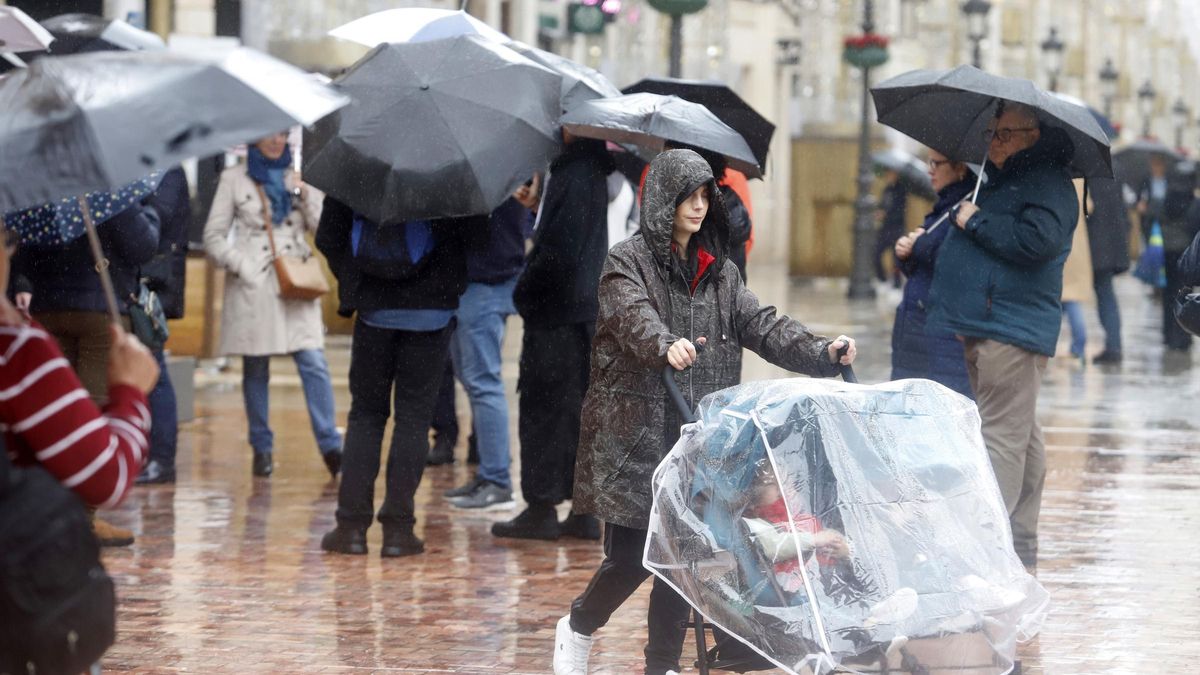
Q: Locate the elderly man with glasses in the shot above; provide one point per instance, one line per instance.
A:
(998, 286)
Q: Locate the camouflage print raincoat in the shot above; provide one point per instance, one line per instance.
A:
(628, 422)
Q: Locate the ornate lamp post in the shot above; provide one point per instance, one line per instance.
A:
(1146, 95)
(1182, 116)
(1052, 52)
(864, 52)
(1109, 78)
(676, 9)
(976, 12)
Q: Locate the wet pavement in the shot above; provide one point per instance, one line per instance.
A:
(227, 572)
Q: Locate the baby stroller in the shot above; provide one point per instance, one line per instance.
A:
(825, 527)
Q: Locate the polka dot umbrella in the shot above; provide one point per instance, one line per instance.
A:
(62, 221)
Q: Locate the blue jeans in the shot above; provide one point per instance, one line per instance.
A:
(1074, 312)
(1109, 311)
(475, 348)
(164, 417)
(318, 394)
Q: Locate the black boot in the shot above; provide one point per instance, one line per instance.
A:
(399, 542)
(156, 473)
(347, 540)
(537, 521)
(263, 466)
(333, 462)
(580, 526)
(442, 451)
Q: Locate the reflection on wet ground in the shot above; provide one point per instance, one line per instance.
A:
(227, 573)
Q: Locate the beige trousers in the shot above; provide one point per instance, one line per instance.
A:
(1006, 380)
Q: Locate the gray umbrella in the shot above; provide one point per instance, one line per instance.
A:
(649, 120)
(1131, 163)
(579, 83)
(71, 125)
(437, 129)
(949, 110)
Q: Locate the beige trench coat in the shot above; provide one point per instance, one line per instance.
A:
(1077, 273)
(255, 321)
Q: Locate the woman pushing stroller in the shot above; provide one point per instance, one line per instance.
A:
(663, 291)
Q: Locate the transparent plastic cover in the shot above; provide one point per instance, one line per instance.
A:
(829, 525)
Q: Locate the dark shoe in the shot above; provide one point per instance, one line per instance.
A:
(400, 542)
(333, 462)
(464, 489)
(1107, 357)
(263, 466)
(535, 522)
(156, 473)
(580, 526)
(111, 535)
(472, 450)
(485, 497)
(442, 451)
(347, 540)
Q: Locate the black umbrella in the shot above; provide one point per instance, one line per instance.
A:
(949, 111)
(579, 83)
(1131, 163)
(723, 102)
(71, 125)
(437, 129)
(649, 120)
(912, 171)
(78, 33)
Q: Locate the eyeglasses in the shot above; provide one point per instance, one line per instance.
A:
(1004, 135)
(935, 164)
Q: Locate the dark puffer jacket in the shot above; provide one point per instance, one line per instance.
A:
(645, 306)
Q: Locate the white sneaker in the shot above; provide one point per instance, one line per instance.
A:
(570, 649)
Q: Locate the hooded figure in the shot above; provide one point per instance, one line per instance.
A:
(656, 299)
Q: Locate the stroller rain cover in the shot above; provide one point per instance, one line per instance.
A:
(839, 526)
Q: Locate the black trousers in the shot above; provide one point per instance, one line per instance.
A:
(619, 576)
(1174, 336)
(552, 382)
(445, 417)
(391, 371)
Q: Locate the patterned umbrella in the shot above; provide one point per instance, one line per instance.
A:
(61, 222)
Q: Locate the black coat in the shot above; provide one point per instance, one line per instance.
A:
(740, 226)
(166, 272)
(1108, 226)
(562, 270)
(438, 285)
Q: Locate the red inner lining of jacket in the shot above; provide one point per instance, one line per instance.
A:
(704, 258)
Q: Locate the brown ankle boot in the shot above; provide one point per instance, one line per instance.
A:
(109, 534)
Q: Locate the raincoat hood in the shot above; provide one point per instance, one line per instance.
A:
(673, 176)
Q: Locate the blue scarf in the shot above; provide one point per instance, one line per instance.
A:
(269, 174)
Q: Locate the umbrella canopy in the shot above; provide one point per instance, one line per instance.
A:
(437, 129)
(75, 124)
(62, 221)
(949, 111)
(414, 24)
(912, 171)
(649, 120)
(834, 527)
(19, 33)
(78, 33)
(579, 83)
(1106, 124)
(723, 102)
(1131, 163)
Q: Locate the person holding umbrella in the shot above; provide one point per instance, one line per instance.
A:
(916, 350)
(256, 322)
(998, 284)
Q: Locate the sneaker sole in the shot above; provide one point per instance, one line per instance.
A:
(498, 506)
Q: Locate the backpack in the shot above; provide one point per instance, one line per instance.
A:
(394, 252)
(57, 604)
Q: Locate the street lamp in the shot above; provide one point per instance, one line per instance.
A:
(1109, 77)
(864, 52)
(1052, 51)
(1182, 116)
(1146, 95)
(789, 52)
(976, 12)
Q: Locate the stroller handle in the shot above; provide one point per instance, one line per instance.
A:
(689, 416)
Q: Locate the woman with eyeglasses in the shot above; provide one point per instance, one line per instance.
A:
(916, 352)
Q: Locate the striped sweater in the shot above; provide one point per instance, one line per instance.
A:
(48, 419)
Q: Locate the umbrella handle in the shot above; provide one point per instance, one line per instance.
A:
(110, 295)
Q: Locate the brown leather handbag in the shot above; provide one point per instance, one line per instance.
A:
(299, 278)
